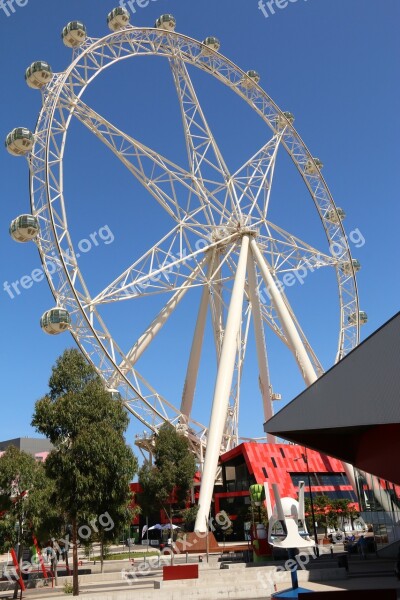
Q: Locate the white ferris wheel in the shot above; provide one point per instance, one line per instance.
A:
(241, 252)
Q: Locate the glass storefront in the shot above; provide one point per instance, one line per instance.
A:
(380, 507)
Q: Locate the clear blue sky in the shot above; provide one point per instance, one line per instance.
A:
(333, 63)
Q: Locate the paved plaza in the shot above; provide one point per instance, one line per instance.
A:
(239, 581)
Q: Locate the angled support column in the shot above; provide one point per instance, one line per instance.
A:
(285, 318)
(217, 316)
(195, 353)
(264, 379)
(293, 337)
(222, 390)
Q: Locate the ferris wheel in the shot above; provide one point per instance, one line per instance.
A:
(232, 251)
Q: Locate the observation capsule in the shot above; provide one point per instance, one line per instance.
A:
(167, 22)
(362, 316)
(38, 74)
(19, 141)
(348, 267)
(118, 18)
(314, 166)
(115, 395)
(55, 321)
(336, 216)
(211, 43)
(282, 122)
(24, 228)
(252, 78)
(74, 34)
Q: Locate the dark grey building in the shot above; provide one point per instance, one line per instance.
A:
(30, 445)
(353, 411)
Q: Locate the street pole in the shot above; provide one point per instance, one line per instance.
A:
(312, 503)
(147, 535)
(253, 520)
(207, 541)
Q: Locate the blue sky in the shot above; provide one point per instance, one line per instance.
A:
(333, 63)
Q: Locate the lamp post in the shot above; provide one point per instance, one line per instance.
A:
(312, 502)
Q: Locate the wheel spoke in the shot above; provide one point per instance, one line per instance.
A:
(163, 268)
(169, 184)
(161, 319)
(288, 253)
(206, 162)
(255, 178)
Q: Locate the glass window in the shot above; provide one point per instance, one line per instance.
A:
(320, 479)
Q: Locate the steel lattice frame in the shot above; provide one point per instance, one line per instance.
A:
(218, 207)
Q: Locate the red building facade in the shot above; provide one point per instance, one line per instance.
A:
(284, 464)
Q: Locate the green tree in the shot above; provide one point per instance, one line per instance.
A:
(167, 482)
(330, 512)
(321, 511)
(91, 465)
(189, 517)
(22, 480)
(345, 510)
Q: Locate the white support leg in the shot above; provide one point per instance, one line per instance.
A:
(264, 378)
(217, 312)
(285, 318)
(292, 335)
(195, 354)
(222, 389)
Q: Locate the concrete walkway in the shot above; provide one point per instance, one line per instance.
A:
(238, 582)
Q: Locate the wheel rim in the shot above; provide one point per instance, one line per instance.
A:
(67, 284)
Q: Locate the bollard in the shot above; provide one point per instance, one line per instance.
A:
(343, 561)
(187, 557)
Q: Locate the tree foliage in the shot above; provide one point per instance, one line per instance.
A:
(169, 480)
(189, 517)
(22, 480)
(23, 503)
(91, 464)
(329, 513)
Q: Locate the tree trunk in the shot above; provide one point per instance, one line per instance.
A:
(171, 532)
(67, 559)
(75, 581)
(20, 554)
(101, 555)
(54, 563)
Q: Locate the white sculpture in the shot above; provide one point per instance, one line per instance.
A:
(287, 524)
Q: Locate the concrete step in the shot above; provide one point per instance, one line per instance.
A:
(243, 592)
(236, 589)
(266, 573)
